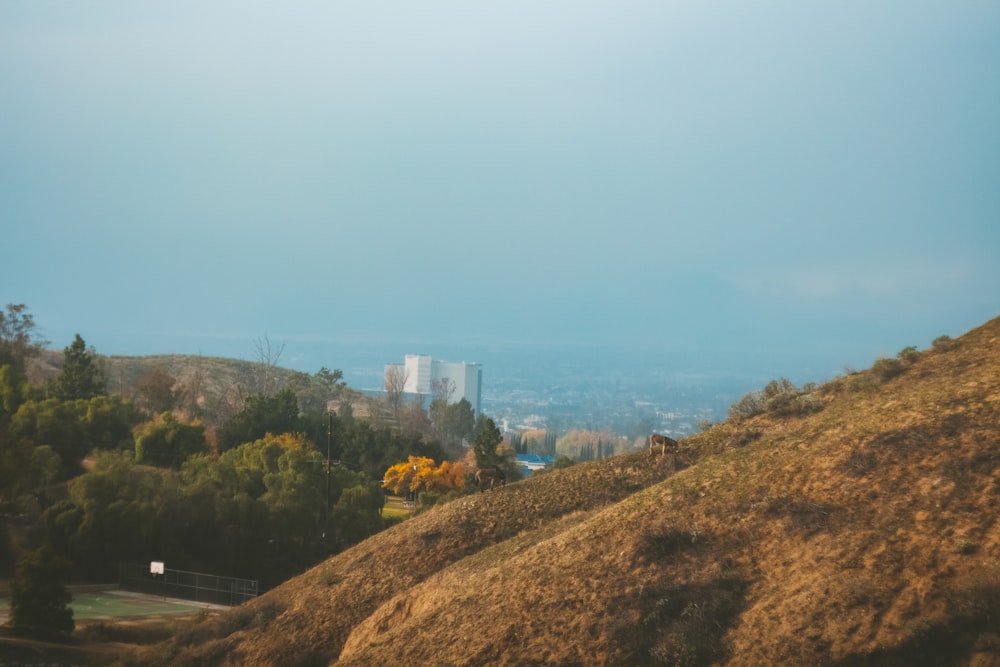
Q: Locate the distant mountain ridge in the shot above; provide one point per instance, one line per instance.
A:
(864, 533)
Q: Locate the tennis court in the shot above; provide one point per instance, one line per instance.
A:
(121, 604)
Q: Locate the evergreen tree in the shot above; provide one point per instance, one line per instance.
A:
(81, 376)
(39, 601)
(550, 442)
(486, 439)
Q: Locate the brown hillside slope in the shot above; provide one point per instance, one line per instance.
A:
(307, 620)
(863, 534)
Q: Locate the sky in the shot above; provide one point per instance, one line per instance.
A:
(743, 179)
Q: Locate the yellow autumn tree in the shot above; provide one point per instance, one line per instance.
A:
(419, 474)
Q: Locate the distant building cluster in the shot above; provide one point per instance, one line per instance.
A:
(423, 376)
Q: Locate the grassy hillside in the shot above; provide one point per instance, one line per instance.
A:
(862, 534)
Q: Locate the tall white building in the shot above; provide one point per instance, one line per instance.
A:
(422, 374)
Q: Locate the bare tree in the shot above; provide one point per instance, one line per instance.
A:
(395, 383)
(268, 355)
(19, 341)
(443, 389)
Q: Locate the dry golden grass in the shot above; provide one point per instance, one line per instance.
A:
(863, 534)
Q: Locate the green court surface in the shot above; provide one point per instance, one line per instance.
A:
(120, 604)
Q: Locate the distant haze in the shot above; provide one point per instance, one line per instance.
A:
(787, 186)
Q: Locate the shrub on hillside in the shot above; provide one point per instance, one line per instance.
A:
(784, 399)
(751, 405)
(886, 368)
(942, 343)
(780, 398)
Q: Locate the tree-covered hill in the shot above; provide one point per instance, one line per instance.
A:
(853, 524)
(210, 388)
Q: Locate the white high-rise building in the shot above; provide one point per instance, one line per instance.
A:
(422, 374)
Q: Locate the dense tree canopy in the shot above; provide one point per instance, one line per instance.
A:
(168, 442)
(74, 428)
(419, 473)
(261, 415)
(276, 486)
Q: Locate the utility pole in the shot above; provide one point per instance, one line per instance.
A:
(329, 450)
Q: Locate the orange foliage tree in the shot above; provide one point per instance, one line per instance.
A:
(420, 474)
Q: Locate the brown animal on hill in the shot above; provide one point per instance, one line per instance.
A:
(492, 476)
(664, 443)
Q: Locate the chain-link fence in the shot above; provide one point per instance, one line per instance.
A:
(196, 586)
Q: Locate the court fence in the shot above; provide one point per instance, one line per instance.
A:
(208, 588)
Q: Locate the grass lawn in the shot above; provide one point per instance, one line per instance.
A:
(118, 604)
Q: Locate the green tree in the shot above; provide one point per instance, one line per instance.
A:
(357, 514)
(39, 601)
(314, 392)
(80, 376)
(127, 513)
(167, 442)
(262, 415)
(46, 467)
(485, 443)
(75, 428)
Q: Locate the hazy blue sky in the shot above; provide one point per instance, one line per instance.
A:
(756, 176)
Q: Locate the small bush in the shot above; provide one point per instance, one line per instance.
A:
(743, 437)
(860, 382)
(943, 343)
(562, 462)
(965, 547)
(780, 398)
(751, 405)
(794, 405)
(908, 354)
(886, 368)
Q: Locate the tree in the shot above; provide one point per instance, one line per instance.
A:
(266, 371)
(454, 422)
(315, 392)
(156, 391)
(442, 389)
(419, 473)
(261, 415)
(357, 514)
(74, 428)
(486, 440)
(188, 395)
(80, 375)
(395, 383)
(167, 442)
(39, 601)
(45, 468)
(18, 339)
